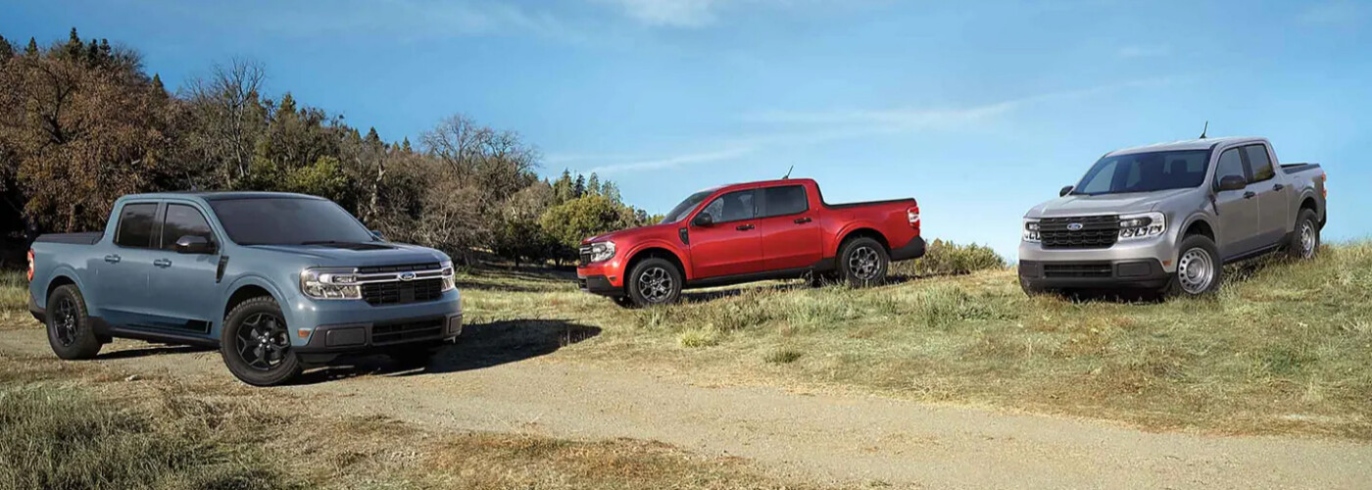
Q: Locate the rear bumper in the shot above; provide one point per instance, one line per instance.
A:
(1145, 273)
(912, 250)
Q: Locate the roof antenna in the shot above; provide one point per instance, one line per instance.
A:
(1205, 130)
(788, 173)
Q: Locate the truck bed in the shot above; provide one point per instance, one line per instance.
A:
(1292, 168)
(85, 238)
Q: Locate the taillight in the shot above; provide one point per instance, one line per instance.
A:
(1324, 190)
(30, 257)
(912, 215)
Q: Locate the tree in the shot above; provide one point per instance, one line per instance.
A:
(579, 189)
(563, 189)
(227, 117)
(611, 191)
(31, 50)
(580, 218)
(6, 50)
(593, 185)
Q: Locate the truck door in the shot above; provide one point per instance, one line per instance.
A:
(730, 245)
(1236, 210)
(1274, 197)
(184, 288)
(121, 275)
(788, 229)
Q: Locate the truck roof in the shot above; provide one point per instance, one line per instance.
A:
(1195, 144)
(221, 195)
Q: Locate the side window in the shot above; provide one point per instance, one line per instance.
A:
(1230, 164)
(1259, 166)
(781, 201)
(734, 206)
(183, 220)
(135, 225)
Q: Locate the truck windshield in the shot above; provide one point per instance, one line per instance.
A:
(288, 221)
(679, 212)
(1145, 172)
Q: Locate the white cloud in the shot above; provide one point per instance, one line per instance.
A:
(729, 153)
(672, 13)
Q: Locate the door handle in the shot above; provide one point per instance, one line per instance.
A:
(743, 227)
(1278, 187)
(162, 262)
(1249, 194)
(113, 259)
(801, 221)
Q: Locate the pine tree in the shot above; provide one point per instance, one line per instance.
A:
(580, 188)
(405, 145)
(6, 51)
(288, 104)
(610, 191)
(32, 49)
(93, 53)
(372, 137)
(157, 84)
(593, 184)
(106, 51)
(74, 46)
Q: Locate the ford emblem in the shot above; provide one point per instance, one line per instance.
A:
(408, 276)
(1074, 227)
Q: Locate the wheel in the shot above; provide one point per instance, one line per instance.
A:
(654, 281)
(1199, 271)
(863, 262)
(256, 345)
(69, 326)
(412, 356)
(1305, 242)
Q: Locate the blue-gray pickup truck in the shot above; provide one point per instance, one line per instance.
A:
(277, 282)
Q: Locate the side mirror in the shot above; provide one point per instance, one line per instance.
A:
(377, 234)
(1065, 190)
(192, 244)
(1233, 183)
(704, 220)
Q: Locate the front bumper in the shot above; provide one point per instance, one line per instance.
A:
(1145, 273)
(1161, 248)
(353, 326)
(599, 285)
(603, 278)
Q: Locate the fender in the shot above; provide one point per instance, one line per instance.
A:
(1200, 216)
(64, 270)
(259, 281)
(831, 249)
(665, 245)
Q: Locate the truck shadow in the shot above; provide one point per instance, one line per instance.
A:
(480, 346)
(154, 349)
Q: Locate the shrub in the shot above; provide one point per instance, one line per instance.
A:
(947, 258)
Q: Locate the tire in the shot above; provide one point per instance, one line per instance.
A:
(1305, 238)
(412, 356)
(255, 344)
(1199, 271)
(70, 331)
(653, 282)
(863, 262)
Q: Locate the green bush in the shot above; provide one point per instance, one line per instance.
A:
(947, 259)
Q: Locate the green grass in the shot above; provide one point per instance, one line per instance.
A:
(1284, 347)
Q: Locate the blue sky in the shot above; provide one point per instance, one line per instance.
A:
(978, 109)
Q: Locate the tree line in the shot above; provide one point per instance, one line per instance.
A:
(82, 123)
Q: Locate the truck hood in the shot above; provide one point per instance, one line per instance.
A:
(358, 254)
(1134, 202)
(669, 228)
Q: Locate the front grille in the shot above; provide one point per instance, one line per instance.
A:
(584, 256)
(389, 333)
(398, 268)
(1095, 232)
(1078, 270)
(402, 292)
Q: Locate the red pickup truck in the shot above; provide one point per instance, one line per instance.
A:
(777, 229)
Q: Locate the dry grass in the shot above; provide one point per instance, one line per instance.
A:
(1284, 347)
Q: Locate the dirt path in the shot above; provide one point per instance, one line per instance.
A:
(526, 388)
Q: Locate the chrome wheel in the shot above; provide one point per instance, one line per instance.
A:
(864, 263)
(263, 341)
(64, 321)
(655, 284)
(1196, 271)
(1309, 240)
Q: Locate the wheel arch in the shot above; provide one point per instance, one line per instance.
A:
(649, 250)
(251, 287)
(860, 230)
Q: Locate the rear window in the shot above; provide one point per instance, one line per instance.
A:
(135, 225)
(781, 201)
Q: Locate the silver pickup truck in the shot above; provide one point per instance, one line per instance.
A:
(1167, 217)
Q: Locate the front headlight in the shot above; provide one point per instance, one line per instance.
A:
(1144, 225)
(449, 280)
(1031, 230)
(330, 283)
(602, 251)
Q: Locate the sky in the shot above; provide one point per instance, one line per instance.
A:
(979, 110)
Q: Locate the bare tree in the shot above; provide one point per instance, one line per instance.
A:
(230, 116)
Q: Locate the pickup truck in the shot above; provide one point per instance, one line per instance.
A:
(1167, 217)
(275, 281)
(748, 232)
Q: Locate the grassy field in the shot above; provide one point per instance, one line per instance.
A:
(1284, 348)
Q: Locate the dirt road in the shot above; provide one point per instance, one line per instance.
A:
(510, 378)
